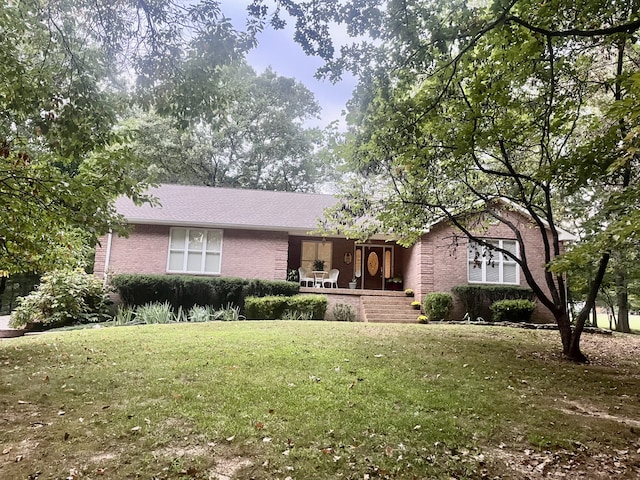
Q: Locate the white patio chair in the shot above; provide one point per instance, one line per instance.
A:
(333, 278)
(305, 279)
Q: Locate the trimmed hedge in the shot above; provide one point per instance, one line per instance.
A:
(478, 298)
(274, 308)
(512, 310)
(437, 306)
(186, 291)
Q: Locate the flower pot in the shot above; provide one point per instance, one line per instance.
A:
(352, 285)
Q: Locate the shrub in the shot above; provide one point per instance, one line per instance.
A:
(64, 297)
(274, 307)
(188, 291)
(343, 312)
(512, 310)
(437, 306)
(477, 299)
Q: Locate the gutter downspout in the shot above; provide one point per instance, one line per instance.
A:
(107, 258)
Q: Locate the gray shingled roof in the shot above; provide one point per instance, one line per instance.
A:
(227, 207)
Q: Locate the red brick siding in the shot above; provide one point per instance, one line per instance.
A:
(144, 251)
(255, 254)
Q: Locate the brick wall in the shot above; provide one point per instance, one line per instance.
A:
(255, 254)
(144, 251)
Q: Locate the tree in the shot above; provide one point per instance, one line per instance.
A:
(469, 103)
(63, 159)
(256, 140)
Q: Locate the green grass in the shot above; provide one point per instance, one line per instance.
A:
(308, 400)
(634, 322)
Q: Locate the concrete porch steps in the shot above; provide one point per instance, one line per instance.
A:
(395, 309)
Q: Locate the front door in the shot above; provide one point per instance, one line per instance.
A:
(373, 268)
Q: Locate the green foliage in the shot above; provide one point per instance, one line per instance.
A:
(477, 299)
(61, 160)
(343, 312)
(512, 310)
(187, 291)
(229, 313)
(273, 308)
(260, 143)
(155, 313)
(64, 297)
(437, 306)
(152, 313)
(200, 314)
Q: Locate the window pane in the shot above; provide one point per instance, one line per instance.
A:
(475, 272)
(509, 273)
(214, 239)
(474, 251)
(308, 251)
(196, 239)
(176, 261)
(325, 250)
(509, 246)
(493, 273)
(387, 263)
(212, 263)
(177, 238)
(194, 262)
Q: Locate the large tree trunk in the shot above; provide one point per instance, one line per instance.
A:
(571, 336)
(622, 300)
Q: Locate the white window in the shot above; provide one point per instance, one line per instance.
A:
(312, 251)
(194, 250)
(486, 265)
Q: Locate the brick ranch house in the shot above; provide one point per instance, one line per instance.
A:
(264, 234)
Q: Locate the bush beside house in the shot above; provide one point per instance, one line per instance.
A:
(311, 307)
(477, 299)
(64, 297)
(437, 306)
(185, 291)
(512, 310)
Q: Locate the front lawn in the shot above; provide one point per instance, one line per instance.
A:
(303, 400)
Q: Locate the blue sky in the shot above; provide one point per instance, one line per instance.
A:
(278, 50)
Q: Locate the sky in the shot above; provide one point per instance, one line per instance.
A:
(278, 50)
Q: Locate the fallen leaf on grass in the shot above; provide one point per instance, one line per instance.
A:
(6, 450)
(136, 428)
(259, 425)
(379, 355)
(230, 439)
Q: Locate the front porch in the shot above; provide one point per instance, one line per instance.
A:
(376, 265)
(375, 306)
